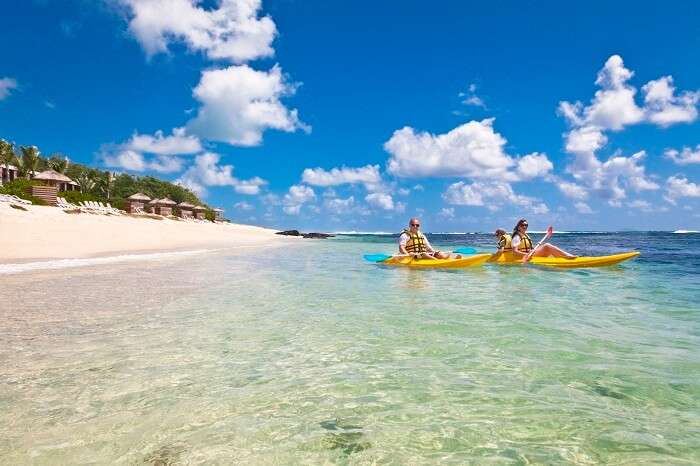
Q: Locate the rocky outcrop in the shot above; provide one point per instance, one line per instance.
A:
(313, 235)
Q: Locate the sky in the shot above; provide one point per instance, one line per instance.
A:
(355, 116)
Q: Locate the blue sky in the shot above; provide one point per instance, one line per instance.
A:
(357, 115)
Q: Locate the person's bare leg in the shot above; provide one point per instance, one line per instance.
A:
(547, 250)
(442, 255)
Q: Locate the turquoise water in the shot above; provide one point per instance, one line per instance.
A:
(278, 357)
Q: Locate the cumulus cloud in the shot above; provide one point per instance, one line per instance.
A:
(679, 186)
(7, 85)
(368, 176)
(243, 205)
(684, 157)
(239, 104)
(472, 150)
(206, 172)
(177, 143)
(447, 212)
(612, 108)
(296, 197)
(381, 200)
(231, 31)
(582, 208)
(340, 206)
(492, 195)
(135, 161)
(572, 190)
(665, 108)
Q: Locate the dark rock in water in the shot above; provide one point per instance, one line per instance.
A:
(317, 235)
(304, 235)
(289, 233)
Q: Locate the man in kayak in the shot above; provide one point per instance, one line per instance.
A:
(413, 242)
(521, 245)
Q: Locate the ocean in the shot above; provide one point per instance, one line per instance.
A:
(310, 355)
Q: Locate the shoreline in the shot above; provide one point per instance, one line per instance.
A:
(42, 234)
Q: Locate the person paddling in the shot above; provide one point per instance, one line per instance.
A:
(413, 242)
(521, 245)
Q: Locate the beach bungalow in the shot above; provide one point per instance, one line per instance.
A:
(58, 180)
(185, 210)
(200, 213)
(218, 214)
(136, 202)
(163, 206)
(8, 173)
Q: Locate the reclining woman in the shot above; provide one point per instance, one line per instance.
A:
(522, 246)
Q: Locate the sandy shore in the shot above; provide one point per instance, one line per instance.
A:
(49, 233)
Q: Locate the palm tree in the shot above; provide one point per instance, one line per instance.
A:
(58, 163)
(7, 155)
(107, 183)
(29, 162)
(86, 182)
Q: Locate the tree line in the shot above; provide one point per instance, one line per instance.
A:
(95, 185)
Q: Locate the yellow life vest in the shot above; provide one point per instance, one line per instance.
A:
(505, 242)
(525, 243)
(415, 243)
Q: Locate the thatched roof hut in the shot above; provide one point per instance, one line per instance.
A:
(53, 178)
(139, 197)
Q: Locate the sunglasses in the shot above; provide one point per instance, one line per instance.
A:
(415, 224)
(523, 225)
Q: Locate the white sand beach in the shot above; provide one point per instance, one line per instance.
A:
(43, 232)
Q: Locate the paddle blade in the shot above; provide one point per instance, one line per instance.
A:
(464, 251)
(376, 257)
(550, 232)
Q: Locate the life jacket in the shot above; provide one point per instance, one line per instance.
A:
(415, 243)
(505, 242)
(525, 243)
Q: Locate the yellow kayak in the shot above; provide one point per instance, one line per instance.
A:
(582, 261)
(464, 261)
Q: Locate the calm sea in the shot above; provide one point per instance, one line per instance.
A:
(310, 355)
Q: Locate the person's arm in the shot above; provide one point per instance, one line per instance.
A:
(515, 242)
(402, 243)
(428, 247)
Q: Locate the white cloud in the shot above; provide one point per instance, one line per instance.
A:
(178, 143)
(613, 108)
(664, 108)
(471, 150)
(7, 85)
(572, 190)
(340, 206)
(380, 200)
(582, 208)
(533, 165)
(206, 171)
(403, 191)
(240, 103)
(232, 31)
(685, 157)
(679, 186)
(368, 176)
(419, 187)
(447, 212)
(492, 195)
(243, 205)
(640, 204)
(297, 196)
(474, 101)
(135, 161)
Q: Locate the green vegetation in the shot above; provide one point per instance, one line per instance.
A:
(20, 188)
(95, 185)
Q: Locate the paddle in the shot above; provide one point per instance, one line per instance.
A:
(465, 251)
(547, 235)
(383, 257)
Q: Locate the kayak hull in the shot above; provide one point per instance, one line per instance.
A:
(465, 261)
(558, 262)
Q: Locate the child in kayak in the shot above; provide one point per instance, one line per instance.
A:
(504, 241)
(521, 245)
(413, 242)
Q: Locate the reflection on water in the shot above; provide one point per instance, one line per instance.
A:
(286, 359)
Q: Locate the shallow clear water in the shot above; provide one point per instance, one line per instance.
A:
(280, 358)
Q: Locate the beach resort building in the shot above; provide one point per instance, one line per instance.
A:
(8, 173)
(136, 203)
(200, 213)
(218, 214)
(58, 180)
(185, 210)
(162, 207)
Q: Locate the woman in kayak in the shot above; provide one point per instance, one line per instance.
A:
(522, 245)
